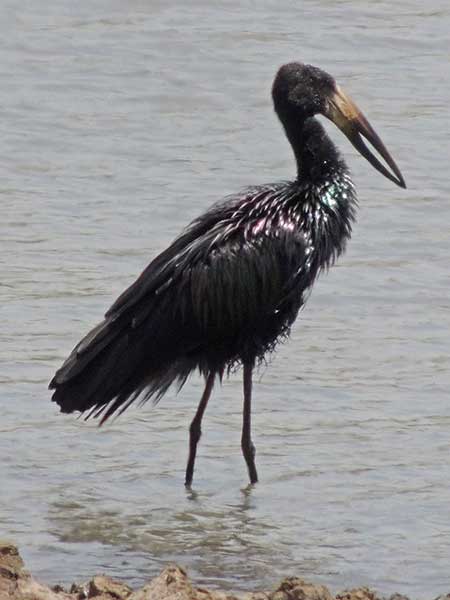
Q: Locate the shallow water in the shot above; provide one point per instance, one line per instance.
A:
(120, 123)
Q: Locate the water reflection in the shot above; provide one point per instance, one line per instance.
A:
(212, 540)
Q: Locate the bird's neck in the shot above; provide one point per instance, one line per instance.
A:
(316, 156)
(326, 203)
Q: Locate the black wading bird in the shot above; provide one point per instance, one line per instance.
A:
(231, 285)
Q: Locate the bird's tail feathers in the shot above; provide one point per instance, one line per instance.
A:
(111, 368)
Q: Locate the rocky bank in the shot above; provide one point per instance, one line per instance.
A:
(172, 583)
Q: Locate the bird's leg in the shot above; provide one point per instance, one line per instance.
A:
(248, 449)
(195, 430)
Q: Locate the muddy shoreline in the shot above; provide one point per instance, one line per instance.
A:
(16, 583)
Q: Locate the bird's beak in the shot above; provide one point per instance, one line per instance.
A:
(346, 115)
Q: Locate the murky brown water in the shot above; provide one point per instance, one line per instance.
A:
(119, 123)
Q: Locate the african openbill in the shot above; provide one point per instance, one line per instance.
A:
(231, 285)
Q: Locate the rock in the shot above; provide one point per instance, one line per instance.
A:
(30, 589)
(10, 560)
(293, 588)
(16, 583)
(11, 567)
(80, 591)
(358, 594)
(57, 588)
(172, 584)
(105, 588)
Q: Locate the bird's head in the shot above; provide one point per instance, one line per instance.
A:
(301, 91)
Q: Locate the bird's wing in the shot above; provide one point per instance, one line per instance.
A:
(221, 283)
(217, 282)
(138, 301)
(243, 280)
(229, 267)
(222, 249)
(168, 266)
